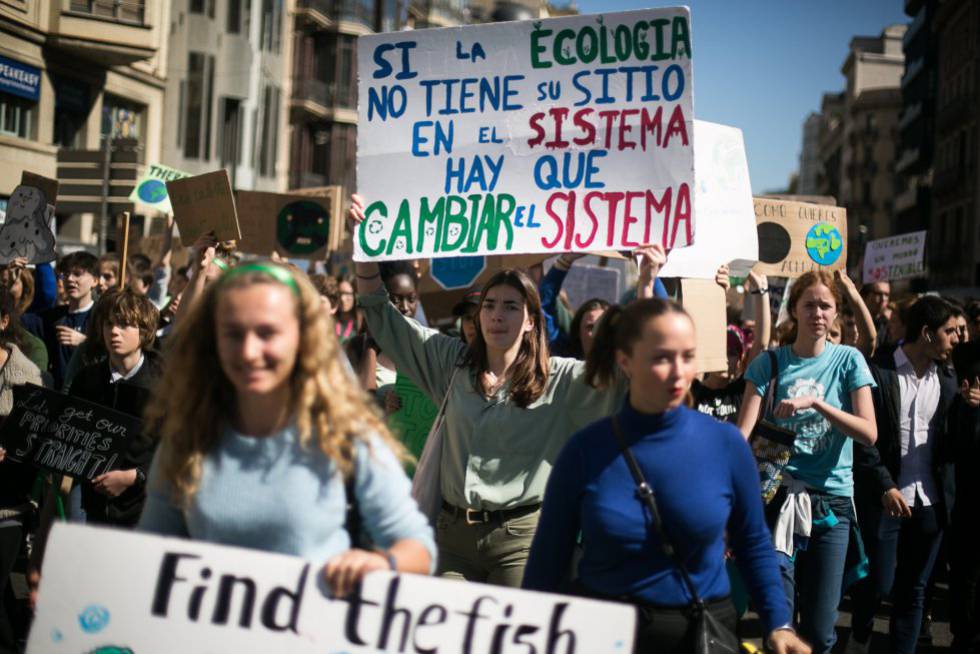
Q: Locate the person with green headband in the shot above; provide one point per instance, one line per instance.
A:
(266, 438)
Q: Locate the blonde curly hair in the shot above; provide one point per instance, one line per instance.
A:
(191, 406)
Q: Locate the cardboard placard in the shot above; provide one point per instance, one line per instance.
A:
(47, 185)
(202, 204)
(704, 300)
(584, 282)
(151, 188)
(65, 434)
(334, 195)
(895, 257)
(26, 231)
(439, 303)
(722, 207)
(797, 237)
(295, 226)
(556, 135)
(412, 422)
(146, 594)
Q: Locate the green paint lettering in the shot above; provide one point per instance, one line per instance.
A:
(537, 48)
(431, 214)
(559, 53)
(659, 26)
(640, 45)
(402, 229)
(587, 55)
(681, 38)
(375, 207)
(505, 208)
(455, 215)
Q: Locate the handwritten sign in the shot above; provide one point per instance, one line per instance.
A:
(203, 204)
(895, 257)
(568, 134)
(797, 237)
(151, 188)
(295, 226)
(414, 419)
(585, 282)
(722, 207)
(27, 226)
(149, 594)
(65, 434)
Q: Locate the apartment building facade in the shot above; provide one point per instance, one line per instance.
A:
(954, 243)
(73, 73)
(227, 90)
(858, 135)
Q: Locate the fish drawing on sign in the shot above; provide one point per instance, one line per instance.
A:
(26, 233)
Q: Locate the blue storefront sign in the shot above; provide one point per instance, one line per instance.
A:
(20, 79)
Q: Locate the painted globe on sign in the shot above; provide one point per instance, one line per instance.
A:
(824, 244)
(152, 191)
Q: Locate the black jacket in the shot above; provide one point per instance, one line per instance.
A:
(128, 396)
(877, 467)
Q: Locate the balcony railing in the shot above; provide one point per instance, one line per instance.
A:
(910, 114)
(124, 11)
(353, 11)
(909, 157)
(914, 27)
(912, 70)
(327, 95)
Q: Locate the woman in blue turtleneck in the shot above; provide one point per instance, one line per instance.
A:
(704, 478)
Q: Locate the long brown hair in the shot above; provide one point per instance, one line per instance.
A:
(191, 411)
(529, 372)
(618, 329)
(800, 286)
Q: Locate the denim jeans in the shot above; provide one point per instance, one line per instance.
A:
(815, 577)
(902, 555)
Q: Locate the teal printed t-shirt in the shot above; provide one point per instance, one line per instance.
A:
(823, 455)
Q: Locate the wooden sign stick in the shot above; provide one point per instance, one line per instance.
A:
(125, 251)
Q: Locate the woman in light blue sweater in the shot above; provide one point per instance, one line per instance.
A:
(263, 432)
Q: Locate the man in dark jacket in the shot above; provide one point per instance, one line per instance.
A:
(900, 481)
(126, 323)
(961, 541)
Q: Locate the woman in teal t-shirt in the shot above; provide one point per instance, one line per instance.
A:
(824, 397)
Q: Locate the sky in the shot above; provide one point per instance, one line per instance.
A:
(762, 66)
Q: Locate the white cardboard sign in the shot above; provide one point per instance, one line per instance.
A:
(566, 134)
(723, 207)
(115, 591)
(895, 257)
(151, 188)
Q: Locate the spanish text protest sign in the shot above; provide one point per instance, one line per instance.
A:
(115, 591)
(895, 257)
(568, 134)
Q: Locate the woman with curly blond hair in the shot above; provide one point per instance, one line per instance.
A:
(261, 429)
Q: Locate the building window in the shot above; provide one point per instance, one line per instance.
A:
(17, 116)
(121, 118)
(239, 13)
(202, 6)
(270, 132)
(198, 99)
(270, 35)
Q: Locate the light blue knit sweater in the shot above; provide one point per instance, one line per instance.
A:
(271, 493)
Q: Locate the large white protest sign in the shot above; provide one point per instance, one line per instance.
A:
(115, 591)
(567, 134)
(722, 207)
(895, 257)
(151, 188)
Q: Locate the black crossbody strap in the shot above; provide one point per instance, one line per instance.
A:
(646, 495)
(771, 391)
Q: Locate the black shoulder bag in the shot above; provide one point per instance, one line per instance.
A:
(711, 636)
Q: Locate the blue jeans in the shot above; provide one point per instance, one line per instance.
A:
(815, 576)
(902, 557)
